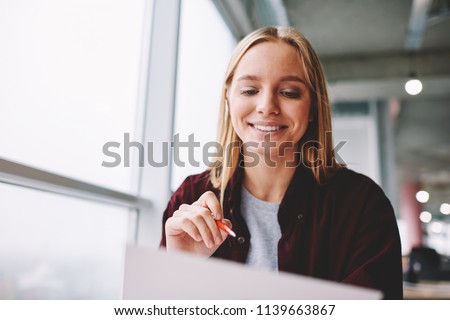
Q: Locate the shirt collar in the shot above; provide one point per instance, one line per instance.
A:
(302, 182)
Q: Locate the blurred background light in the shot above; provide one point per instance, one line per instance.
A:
(413, 86)
(436, 227)
(445, 208)
(425, 216)
(422, 196)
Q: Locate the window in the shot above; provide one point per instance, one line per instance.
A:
(354, 127)
(69, 80)
(56, 247)
(204, 50)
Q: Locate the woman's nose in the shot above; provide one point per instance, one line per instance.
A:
(268, 104)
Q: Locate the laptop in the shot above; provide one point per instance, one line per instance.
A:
(155, 274)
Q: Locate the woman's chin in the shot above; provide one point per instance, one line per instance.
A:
(271, 157)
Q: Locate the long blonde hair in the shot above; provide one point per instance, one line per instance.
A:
(317, 140)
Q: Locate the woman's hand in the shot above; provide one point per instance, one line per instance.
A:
(193, 227)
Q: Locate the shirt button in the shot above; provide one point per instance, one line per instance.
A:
(300, 217)
(241, 240)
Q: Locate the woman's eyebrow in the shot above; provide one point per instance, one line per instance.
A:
(292, 78)
(285, 78)
(248, 77)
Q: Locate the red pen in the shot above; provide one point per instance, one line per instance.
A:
(225, 228)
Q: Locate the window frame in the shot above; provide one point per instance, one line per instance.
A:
(156, 94)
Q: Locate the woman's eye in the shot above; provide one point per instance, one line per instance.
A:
(249, 92)
(290, 94)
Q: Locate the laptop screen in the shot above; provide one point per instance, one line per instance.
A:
(156, 274)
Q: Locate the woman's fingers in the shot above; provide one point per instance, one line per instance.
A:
(179, 224)
(191, 229)
(227, 223)
(204, 230)
(223, 233)
(215, 231)
(209, 200)
(197, 222)
(207, 227)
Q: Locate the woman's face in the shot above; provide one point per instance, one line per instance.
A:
(268, 98)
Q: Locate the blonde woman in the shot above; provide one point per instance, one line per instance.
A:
(277, 184)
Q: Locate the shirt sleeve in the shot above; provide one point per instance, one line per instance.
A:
(182, 195)
(375, 255)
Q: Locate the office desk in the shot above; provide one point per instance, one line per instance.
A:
(427, 290)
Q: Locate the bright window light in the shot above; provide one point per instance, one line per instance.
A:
(69, 84)
(202, 60)
(56, 247)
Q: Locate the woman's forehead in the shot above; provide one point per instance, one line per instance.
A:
(274, 58)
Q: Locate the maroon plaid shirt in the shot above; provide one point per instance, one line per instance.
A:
(344, 230)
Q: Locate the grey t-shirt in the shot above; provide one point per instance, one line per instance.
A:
(262, 221)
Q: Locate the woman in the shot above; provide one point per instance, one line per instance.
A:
(277, 183)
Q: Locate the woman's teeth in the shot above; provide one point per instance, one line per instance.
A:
(267, 128)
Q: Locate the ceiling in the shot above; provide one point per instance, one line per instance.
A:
(355, 34)
(368, 49)
(350, 27)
